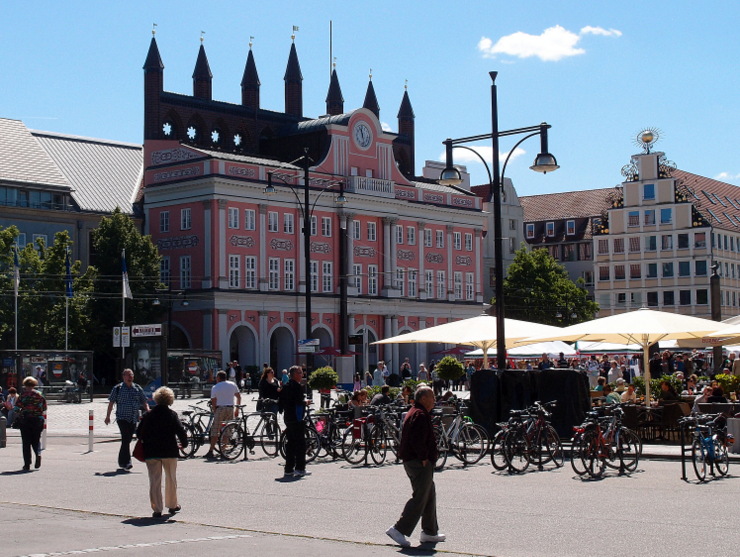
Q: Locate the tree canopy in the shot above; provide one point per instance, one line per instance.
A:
(537, 288)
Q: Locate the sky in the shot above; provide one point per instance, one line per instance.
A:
(598, 72)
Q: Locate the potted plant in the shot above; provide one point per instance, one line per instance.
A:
(449, 368)
(323, 379)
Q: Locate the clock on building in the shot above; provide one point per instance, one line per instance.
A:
(362, 135)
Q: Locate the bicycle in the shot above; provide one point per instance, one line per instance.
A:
(709, 444)
(237, 436)
(197, 427)
(367, 435)
(532, 440)
(313, 444)
(467, 441)
(595, 447)
(498, 456)
(330, 426)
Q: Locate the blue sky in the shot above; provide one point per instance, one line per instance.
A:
(598, 72)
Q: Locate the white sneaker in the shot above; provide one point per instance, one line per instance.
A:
(432, 538)
(398, 537)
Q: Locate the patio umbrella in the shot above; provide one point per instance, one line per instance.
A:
(477, 331)
(551, 348)
(456, 351)
(643, 326)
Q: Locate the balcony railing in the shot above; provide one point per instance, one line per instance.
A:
(370, 186)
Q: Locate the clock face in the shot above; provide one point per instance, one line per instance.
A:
(363, 136)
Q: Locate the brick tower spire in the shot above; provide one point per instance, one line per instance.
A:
(293, 85)
(371, 101)
(334, 98)
(202, 76)
(153, 87)
(250, 83)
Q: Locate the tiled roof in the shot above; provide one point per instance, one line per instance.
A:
(721, 207)
(434, 186)
(23, 160)
(249, 159)
(566, 205)
(103, 174)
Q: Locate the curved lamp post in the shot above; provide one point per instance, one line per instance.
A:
(450, 176)
(306, 210)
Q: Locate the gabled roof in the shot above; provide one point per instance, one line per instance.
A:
(103, 174)
(566, 205)
(719, 202)
(23, 160)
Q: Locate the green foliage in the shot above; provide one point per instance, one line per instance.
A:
(449, 368)
(323, 378)
(41, 296)
(655, 391)
(537, 288)
(728, 382)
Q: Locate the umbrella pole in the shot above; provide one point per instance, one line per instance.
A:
(646, 368)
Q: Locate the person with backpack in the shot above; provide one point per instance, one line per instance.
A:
(129, 399)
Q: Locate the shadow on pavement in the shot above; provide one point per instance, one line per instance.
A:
(148, 521)
(113, 473)
(14, 472)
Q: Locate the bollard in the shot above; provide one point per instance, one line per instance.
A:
(90, 433)
(43, 434)
(3, 431)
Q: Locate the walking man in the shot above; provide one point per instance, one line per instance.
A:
(129, 398)
(223, 394)
(418, 451)
(293, 403)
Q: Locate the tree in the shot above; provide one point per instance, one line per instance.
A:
(116, 233)
(537, 288)
(42, 295)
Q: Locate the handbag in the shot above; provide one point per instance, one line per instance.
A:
(138, 453)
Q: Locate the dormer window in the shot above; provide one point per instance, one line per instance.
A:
(648, 192)
(570, 227)
(550, 229)
(530, 231)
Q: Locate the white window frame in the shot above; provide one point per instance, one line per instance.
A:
(327, 276)
(356, 230)
(550, 229)
(326, 227)
(372, 232)
(458, 285)
(314, 276)
(440, 236)
(429, 281)
(530, 231)
(357, 276)
(235, 268)
(272, 221)
(250, 219)
(441, 285)
(250, 272)
(400, 281)
(412, 276)
(399, 234)
(469, 286)
(372, 280)
(288, 223)
(273, 273)
(186, 271)
(314, 225)
(289, 274)
(164, 221)
(233, 217)
(427, 237)
(411, 235)
(457, 240)
(468, 241)
(186, 220)
(164, 270)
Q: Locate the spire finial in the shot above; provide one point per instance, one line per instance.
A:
(334, 65)
(202, 36)
(251, 42)
(295, 30)
(154, 29)
(406, 85)
(371, 74)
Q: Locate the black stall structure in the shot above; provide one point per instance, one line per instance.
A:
(57, 371)
(494, 393)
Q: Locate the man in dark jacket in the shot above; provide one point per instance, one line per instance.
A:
(293, 404)
(418, 451)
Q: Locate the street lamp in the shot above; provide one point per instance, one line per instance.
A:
(450, 176)
(306, 212)
(170, 296)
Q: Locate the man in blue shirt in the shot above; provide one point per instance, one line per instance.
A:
(129, 399)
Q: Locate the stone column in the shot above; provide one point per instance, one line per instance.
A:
(262, 259)
(207, 281)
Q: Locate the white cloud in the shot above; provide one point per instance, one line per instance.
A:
(463, 156)
(727, 177)
(553, 44)
(385, 127)
(588, 30)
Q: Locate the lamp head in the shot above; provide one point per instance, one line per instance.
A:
(341, 199)
(270, 189)
(156, 302)
(545, 162)
(450, 176)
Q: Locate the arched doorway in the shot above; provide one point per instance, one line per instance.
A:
(282, 349)
(243, 346)
(372, 353)
(178, 338)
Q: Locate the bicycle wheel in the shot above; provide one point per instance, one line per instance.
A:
(313, 444)
(577, 461)
(190, 448)
(443, 448)
(628, 449)
(353, 450)
(393, 436)
(270, 437)
(498, 460)
(551, 448)
(592, 454)
(721, 458)
(698, 458)
(516, 450)
(378, 447)
(471, 443)
(231, 441)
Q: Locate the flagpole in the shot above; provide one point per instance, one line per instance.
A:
(16, 283)
(66, 323)
(123, 307)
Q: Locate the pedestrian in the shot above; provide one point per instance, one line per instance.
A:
(129, 399)
(29, 411)
(293, 403)
(159, 431)
(223, 395)
(418, 451)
